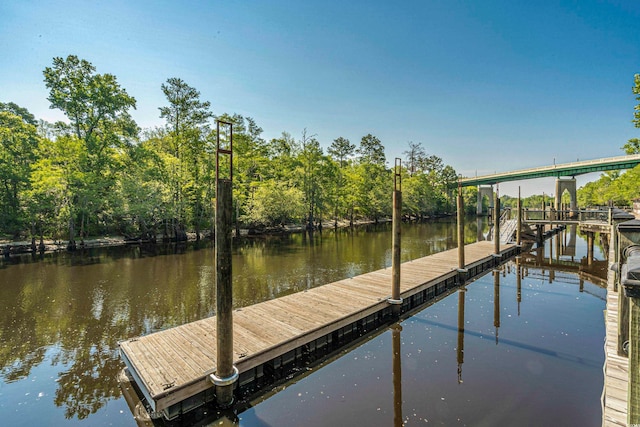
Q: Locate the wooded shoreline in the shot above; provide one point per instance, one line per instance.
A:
(10, 248)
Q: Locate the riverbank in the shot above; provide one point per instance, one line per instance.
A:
(8, 247)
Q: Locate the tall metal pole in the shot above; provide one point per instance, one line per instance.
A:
(226, 374)
(396, 238)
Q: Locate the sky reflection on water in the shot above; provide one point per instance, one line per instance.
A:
(61, 319)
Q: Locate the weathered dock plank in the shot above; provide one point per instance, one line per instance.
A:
(616, 367)
(173, 365)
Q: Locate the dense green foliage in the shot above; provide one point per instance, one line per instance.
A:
(633, 146)
(100, 174)
(615, 187)
(619, 188)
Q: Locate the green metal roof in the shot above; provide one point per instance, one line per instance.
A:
(560, 170)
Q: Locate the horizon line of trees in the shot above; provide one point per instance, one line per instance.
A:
(101, 174)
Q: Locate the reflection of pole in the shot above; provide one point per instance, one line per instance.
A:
(226, 374)
(519, 229)
(396, 237)
(460, 349)
(496, 301)
(518, 283)
(496, 224)
(590, 240)
(397, 375)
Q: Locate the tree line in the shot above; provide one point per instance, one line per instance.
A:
(100, 174)
(615, 187)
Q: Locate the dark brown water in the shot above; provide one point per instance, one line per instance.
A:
(61, 318)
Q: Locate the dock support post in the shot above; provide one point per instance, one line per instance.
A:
(395, 299)
(226, 374)
(623, 300)
(629, 252)
(462, 271)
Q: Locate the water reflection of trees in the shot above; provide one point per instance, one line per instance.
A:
(74, 315)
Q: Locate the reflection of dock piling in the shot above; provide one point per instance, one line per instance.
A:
(397, 375)
(496, 301)
(460, 349)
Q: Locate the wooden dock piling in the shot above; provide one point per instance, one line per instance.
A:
(460, 229)
(396, 232)
(226, 374)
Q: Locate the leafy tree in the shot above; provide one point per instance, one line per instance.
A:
(24, 114)
(341, 149)
(636, 91)
(145, 189)
(250, 163)
(418, 195)
(275, 204)
(187, 117)
(311, 162)
(97, 108)
(633, 145)
(56, 183)
(18, 143)
(414, 156)
(371, 150)
(95, 104)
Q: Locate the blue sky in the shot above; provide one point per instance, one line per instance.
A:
(487, 85)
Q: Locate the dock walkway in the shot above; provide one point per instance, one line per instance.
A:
(173, 365)
(616, 369)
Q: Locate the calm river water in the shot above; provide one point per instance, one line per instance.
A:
(522, 346)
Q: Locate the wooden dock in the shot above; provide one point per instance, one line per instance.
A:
(616, 369)
(171, 368)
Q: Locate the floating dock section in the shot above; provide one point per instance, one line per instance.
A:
(616, 369)
(171, 368)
